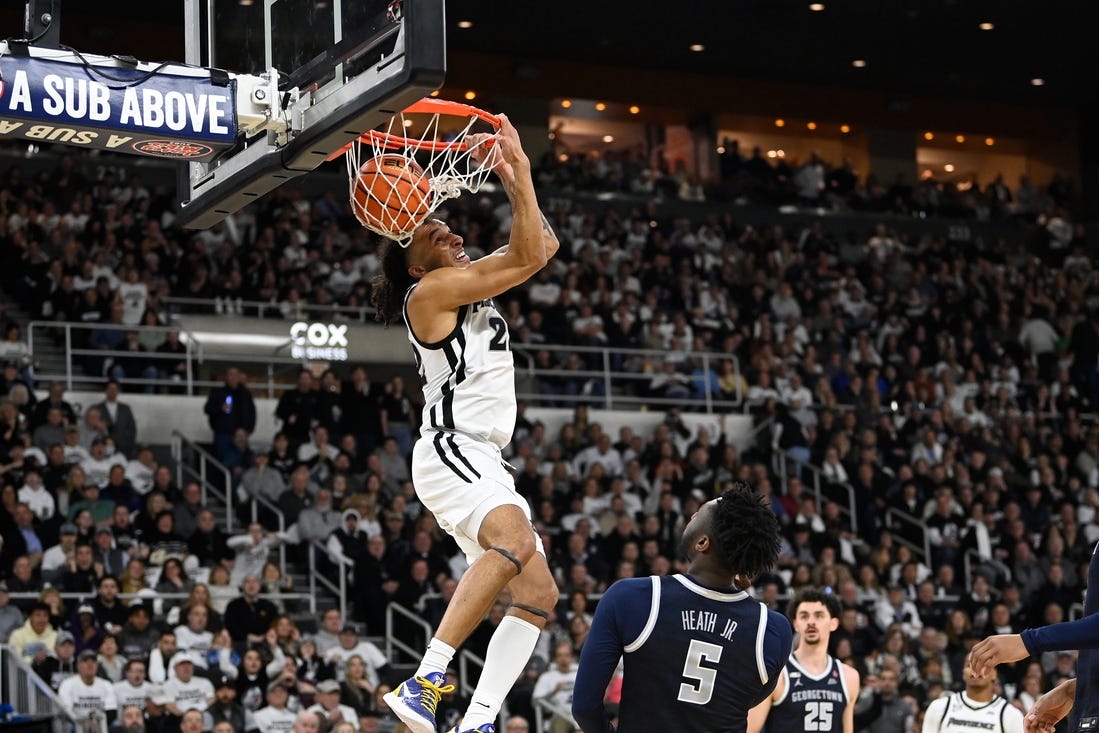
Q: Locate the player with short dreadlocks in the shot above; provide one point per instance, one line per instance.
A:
(699, 651)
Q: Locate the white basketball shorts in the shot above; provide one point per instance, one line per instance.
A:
(460, 480)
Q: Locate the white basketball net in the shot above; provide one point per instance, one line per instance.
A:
(446, 163)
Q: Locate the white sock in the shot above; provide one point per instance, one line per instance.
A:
(436, 658)
(508, 652)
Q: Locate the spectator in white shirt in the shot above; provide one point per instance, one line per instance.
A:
(318, 446)
(555, 686)
(86, 696)
(140, 471)
(187, 691)
(193, 636)
(928, 449)
(133, 688)
(275, 717)
(603, 453)
(350, 646)
(36, 497)
(97, 466)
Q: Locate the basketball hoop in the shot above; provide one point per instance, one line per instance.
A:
(439, 148)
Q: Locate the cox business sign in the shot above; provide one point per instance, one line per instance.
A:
(160, 115)
(322, 341)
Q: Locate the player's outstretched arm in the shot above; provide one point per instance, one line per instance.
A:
(1082, 633)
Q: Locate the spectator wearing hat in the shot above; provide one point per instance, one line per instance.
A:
(275, 717)
(225, 707)
(377, 666)
(249, 617)
(121, 426)
(133, 688)
(86, 629)
(187, 690)
(86, 696)
(138, 636)
(157, 719)
(57, 667)
(328, 706)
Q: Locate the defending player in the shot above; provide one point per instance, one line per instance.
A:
(460, 342)
(815, 691)
(978, 708)
(1079, 696)
(699, 653)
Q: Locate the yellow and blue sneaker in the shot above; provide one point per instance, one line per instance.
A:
(486, 728)
(415, 699)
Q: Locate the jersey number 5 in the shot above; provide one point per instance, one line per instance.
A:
(818, 716)
(499, 340)
(701, 687)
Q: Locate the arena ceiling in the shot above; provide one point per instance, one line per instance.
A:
(908, 46)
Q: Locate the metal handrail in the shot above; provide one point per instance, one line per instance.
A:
(29, 694)
(31, 595)
(904, 516)
(851, 510)
(543, 706)
(261, 307)
(392, 643)
(339, 588)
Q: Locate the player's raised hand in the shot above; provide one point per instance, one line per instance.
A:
(503, 151)
(999, 649)
(1050, 708)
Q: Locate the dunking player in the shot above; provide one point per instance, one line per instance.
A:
(699, 652)
(460, 342)
(815, 691)
(978, 708)
(1079, 696)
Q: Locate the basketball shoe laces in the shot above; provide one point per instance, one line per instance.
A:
(431, 692)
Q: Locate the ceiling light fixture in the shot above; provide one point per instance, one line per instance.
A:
(697, 47)
(1037, 81)
(600, 106)
(634, 109)
(566, 103)
(816, 7)
(929, 136)
(986, 26)
(948, 168)
(859, 63)
(780, 122)
(811, 125)
(608, 138)
(959, 138)
(845, 129)
(465, 24)
(471, 95)
(990, 141)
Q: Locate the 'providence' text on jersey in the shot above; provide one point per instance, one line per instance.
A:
(468, 377)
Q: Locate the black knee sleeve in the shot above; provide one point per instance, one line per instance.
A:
(531, 610)
(509, 556)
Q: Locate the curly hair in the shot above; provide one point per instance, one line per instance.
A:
(745, 531)
(814, 595)
(388, 289)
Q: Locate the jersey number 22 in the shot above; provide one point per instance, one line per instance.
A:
(699, 687)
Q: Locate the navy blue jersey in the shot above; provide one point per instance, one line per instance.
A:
(695, 659)
(1082, 634)
(809, 703)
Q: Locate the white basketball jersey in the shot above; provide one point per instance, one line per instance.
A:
(468, 377)
(962, 715)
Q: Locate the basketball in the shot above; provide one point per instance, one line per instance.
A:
(392, 195)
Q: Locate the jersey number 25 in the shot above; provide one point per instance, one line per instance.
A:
(818, 716)
(700, 687)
